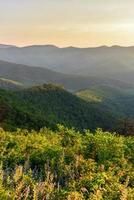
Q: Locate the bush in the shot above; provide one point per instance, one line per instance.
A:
(66, 165)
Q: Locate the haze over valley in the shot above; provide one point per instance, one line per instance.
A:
(109, 62)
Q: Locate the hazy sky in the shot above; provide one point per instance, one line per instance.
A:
(67, 22)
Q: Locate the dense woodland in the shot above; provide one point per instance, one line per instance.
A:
(65, 164)
(48, 105)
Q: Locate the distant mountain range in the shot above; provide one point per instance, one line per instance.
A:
(5, 46)
(108, 62)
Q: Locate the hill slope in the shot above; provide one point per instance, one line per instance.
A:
(48, 105)
(115, 99)
(36, 75)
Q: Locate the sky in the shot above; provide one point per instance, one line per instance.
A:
(82, 23)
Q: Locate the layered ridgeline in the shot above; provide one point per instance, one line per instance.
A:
(110, 62)
(49, 105)
(29, 76)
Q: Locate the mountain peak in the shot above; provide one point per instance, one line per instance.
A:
(41, 46)
(5, 46)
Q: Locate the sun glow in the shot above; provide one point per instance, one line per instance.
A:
(65, 23)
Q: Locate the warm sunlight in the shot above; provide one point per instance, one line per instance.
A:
(65, 23)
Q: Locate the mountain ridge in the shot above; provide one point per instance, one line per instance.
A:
(112, 62)
(28, 76)
(78, 47)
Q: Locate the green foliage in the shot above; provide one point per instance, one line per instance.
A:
(111, 98)
(48, 105)
(66, 165)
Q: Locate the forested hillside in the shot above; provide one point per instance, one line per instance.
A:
(48, 105)
(66, 165)
(118, 100)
